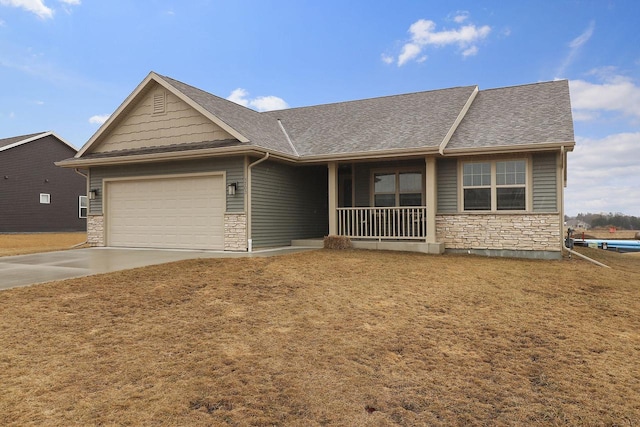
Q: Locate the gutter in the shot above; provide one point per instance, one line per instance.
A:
(251, 165)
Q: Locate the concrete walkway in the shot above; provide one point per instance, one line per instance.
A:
(24, 270)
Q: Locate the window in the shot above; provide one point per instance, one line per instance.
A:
(82, 206)
(497, 185)
(45, 199)
(397, 189)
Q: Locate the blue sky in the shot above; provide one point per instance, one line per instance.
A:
(65, 65)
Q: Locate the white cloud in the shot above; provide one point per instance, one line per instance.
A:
(99, 119)
(574, 47)
(67, 4)
(260, 103)
(239, 96)
(423, 34)
(603, 175)
(584, 37)
(615, 94)
(387, 59)
(461, 17)
(268, 103)
(34, 6)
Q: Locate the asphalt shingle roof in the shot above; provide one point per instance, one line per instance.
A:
(527, 114)
(415, 120)
(519, 115)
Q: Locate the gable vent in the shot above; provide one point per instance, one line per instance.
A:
(159, 102)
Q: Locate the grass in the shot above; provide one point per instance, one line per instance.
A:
(21, 244)
(328, 337)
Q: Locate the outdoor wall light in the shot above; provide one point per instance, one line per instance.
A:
(231, 188)
(93, 194)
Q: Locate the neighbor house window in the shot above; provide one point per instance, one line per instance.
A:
(45, 198)
(397, 188)
(82, 206)
(494, 185)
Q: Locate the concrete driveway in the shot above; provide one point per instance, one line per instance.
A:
(24, 270)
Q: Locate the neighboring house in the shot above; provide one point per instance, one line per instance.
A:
(455, 169)
(576, 223)
(35, 195)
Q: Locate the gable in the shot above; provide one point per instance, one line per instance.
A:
(159, 118)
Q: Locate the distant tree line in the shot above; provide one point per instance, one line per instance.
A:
(618, 220)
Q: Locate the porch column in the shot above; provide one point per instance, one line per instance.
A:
(431, 186)
(333, 198)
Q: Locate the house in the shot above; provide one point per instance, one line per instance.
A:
(35, 195)
(459, 169)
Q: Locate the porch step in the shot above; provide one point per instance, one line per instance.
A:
(427, 248)
(309, 243)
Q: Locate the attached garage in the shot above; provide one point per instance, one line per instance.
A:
(178, 212)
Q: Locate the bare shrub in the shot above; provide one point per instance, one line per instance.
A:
(337, 242)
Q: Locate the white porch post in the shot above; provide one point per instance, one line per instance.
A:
(431, 186)
(333, 198)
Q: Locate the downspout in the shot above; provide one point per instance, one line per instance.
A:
(251, 165)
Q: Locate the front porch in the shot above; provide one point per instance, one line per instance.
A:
(386, 205)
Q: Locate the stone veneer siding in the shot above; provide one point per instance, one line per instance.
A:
(95, 230)
(235, 232)
(517, 232)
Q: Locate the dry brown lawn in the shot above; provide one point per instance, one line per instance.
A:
(357, 338)
(20, 244)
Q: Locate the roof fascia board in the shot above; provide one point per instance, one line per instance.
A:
(136, 92)
(456, 123)
(200, 109)
(36, 137)
(27, 140)
(171, 156)
(357, 156)
(546, 146)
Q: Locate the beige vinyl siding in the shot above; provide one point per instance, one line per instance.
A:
(178, 124)
(234, 168)
(447, 171)
(288, 203)
(545, 191)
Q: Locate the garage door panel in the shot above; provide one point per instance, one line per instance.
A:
(182, 212)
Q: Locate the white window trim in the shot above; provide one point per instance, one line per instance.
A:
(80, 207)
(528, 187)
(397, 171)
(45, 198)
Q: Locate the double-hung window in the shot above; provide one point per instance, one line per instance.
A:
(82, 206)
(400, 188)
(495, 185)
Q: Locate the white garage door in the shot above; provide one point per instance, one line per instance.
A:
(177, 212)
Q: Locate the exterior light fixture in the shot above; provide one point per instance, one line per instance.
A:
(93, 194)
(231, 188)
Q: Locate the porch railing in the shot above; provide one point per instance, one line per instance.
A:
(396, 223)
